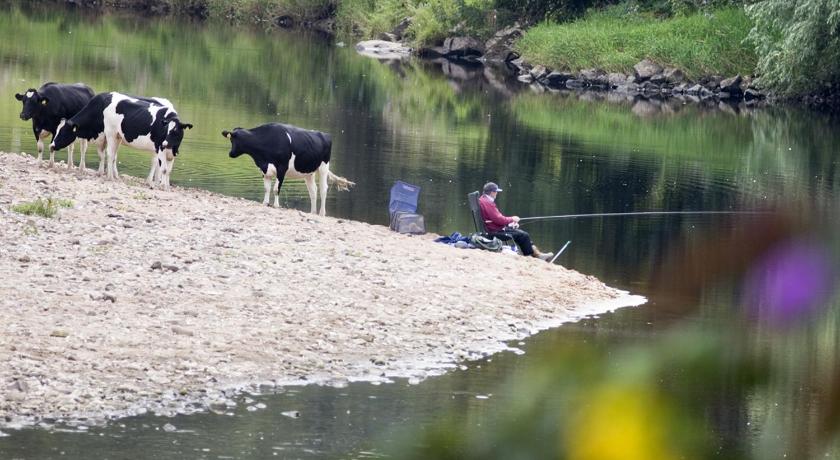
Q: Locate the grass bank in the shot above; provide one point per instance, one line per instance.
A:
(615, 39)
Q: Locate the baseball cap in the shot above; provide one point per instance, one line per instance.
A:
(491, 187)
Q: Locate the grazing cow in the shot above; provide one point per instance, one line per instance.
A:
(149, 124)
(47, 106)
(282, 151)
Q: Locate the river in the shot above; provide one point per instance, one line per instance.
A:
(448, 130)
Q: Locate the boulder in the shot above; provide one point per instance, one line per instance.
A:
(616, 79)
(381, 49)
(694, 89)
(673, 75)
(575, 84)
(460, 47)
(658, 79)
(432, 52)
(558, 79)
(399, 30)
(500, 46)
(751, 94)
(731, 85)
(518, 64)
(538, 72)
(388, 37)
(646, 69)
(711, 81)
(525, 78)
(595, 77)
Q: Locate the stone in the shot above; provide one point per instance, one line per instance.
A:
(575, 84)
(646, 69)
(59, 333)
(731, 85)
(673, 75)
(694, 89)
(658, 79)
(616, 79)
(525, 78)
(538, 72)
(291, 414)
(157, 265)
(751, 94)
(388, 37)
(460, 47)
(381, 49)
(399, 29)
(169, 428)
(558, 79)
(499, 46)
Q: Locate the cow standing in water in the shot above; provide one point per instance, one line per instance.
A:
(282, 151)
(47, 106)
(149, 124)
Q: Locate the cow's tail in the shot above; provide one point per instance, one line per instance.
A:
(341, 183)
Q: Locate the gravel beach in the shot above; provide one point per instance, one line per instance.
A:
(134, 300)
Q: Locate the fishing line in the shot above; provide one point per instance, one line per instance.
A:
(525, 220)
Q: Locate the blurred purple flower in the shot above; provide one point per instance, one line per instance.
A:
(790, 282)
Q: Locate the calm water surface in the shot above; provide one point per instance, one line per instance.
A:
(449, 131)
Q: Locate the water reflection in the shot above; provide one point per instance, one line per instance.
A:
(449, 130)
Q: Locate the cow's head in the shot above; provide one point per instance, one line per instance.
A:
(65, 134)
(174, 133)
(233, 137)
(32, 103)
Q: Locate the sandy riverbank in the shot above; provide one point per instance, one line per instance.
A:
(137, 299)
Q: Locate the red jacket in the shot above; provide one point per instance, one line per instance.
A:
(494, 220)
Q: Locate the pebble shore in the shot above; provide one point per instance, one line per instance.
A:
(135, 300)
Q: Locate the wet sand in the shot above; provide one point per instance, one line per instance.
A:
(136, 300)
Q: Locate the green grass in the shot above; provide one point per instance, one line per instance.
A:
(42, 207)
(615, 40)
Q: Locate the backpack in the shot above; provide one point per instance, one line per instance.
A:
(482, 242)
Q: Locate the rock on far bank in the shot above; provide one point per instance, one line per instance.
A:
(136, 299)
(383, 49)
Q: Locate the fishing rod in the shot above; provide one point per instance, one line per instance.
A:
(525, 220)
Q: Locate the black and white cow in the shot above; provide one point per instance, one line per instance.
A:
(149, 124)
(47, 106)
(282, 151)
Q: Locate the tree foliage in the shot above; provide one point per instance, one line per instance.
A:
(798, 44)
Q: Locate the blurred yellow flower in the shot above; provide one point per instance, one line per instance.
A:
(620, 423)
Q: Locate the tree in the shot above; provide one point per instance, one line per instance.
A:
(798, 44)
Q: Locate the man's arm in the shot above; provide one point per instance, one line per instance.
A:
(490, 212)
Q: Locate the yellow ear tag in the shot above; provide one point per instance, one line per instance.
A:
(43, 102)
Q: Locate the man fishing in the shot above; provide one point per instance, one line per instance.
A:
(504, 227)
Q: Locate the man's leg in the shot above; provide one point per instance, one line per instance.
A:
(520, 237)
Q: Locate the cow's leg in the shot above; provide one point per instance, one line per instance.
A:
(323, 175)
(112, 144)
(69, 155)
(154, 169)
(313, 192)
(103, 160)
(83, 146)
(38, 141)
(167, 173)
(267, 180)
(41, 136)
(277, 193)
